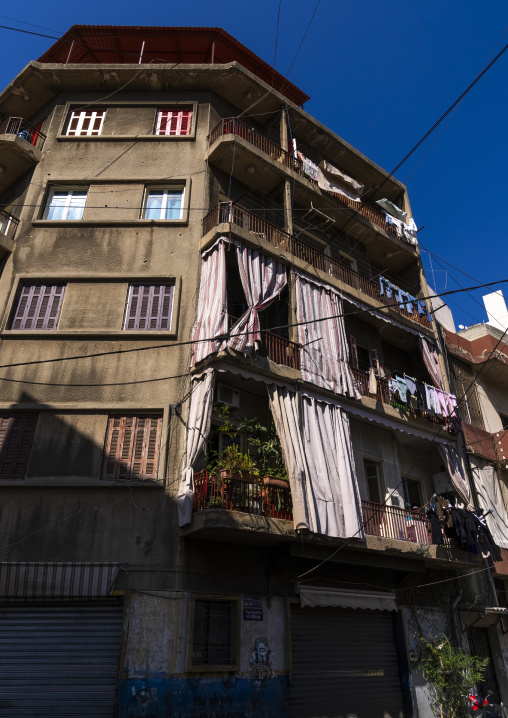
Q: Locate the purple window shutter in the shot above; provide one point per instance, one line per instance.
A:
(39, 307)
(149, 307)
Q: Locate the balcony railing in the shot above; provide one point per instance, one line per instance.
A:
(396, 523)
(228, 213)
(8, 224)
(20, 127)
(279, 349)
(248, 496)
(232, 126)
(361, 379)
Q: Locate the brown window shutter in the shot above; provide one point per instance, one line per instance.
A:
(353, 354)
(374, 361)
(16, 438)
(132, 447)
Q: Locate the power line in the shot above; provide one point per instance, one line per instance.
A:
(367, 310)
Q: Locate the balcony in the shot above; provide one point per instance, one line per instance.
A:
(228, 213)
(396, 523)
(20, 149)
(276, 348)
(233, 128)
(248, 496)
(361, 379)
(8, 226)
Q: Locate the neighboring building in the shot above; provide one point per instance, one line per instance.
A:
(175, 230)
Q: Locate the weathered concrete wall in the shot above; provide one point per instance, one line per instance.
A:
(157, 656)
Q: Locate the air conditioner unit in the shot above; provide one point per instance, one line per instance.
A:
(228, 395)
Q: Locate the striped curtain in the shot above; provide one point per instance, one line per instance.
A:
(324, 354)
(263, 278)
(431, 360)
(212, 314)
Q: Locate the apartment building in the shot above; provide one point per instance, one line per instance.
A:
(216, 435)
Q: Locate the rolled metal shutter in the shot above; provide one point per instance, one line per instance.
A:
(344, 662)
(59, 660)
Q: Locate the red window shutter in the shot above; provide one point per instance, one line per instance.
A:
(353, 354)
(185, 122)
(174, 122)
(132, 447)
(16, 438)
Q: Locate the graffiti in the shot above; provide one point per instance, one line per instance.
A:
(213, 707)
(143, 703)
(260, 671)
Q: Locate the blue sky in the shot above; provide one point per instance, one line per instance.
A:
(380, 75)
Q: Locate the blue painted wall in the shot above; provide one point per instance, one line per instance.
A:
(201, 696)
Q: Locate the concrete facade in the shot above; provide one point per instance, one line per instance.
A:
(77, 376)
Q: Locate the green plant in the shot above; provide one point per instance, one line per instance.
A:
(265, 445)
(235, 461)
(451, 673)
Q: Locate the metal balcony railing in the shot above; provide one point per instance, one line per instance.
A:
(228, 213)
(232, 126)
(248, 496)
(8, 224)
(279, 349)
(361, 379)
(397, 523)
(20, 127)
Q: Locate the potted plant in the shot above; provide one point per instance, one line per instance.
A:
(236, 465)
(266, 447)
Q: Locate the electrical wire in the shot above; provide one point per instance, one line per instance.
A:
(369, 310)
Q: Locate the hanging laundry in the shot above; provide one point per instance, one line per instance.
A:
(333, 180)
(393, 389)
(309, 167)
(430, 397)
(393, 210)
(421, 396)
(402, 387)
(372, 382)
(406, 301)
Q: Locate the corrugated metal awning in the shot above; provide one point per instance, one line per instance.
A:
(30, 580)
(346, 598)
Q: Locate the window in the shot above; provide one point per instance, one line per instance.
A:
(85, 123)
(132, 447)
(65, 203)
(149, 307)
(16, 438)
(173, 122)
(215, 630)
(412, 492)
(504, 420)
(374, 480)
(164, 203)
(38, 306)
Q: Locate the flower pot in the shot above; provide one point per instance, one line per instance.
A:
(272, 481)
(227, 474)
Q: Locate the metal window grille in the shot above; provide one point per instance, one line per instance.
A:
(466, 392)
(16, 437)
(214, 633)
(38, 306)
(173, 122)
(85, 123)
(149, 307)
(132, 447)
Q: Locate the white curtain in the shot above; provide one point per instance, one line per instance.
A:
(490, 497)
(212, 314)
(333, 497)
(284, 407)
(198, 429)
(324, 354)
(454, 467)
(263, 278)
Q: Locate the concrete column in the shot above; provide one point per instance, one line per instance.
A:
(288, 216)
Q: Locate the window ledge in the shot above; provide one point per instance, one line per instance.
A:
(108, 222)
(123, 138)
(87, 333)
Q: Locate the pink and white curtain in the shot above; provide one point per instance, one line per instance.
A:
(263, 278)
(212, 313)
(431, 360)
(324, 355)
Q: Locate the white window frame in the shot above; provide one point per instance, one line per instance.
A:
(174, 110)
(166, 190)
(82, 115)
(67, 205)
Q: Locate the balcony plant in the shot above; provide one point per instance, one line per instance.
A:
(265, 446)
(236, 465)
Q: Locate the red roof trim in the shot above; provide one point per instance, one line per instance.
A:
(111, 44)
